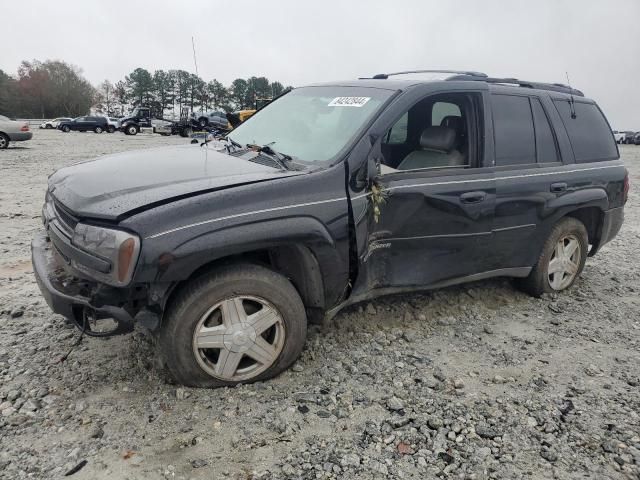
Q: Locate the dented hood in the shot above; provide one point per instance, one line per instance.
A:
(113, 186)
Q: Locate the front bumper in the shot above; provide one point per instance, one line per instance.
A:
(20, 136)
(71, 296)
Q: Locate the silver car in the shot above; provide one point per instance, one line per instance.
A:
(12, 131)
(49, 124)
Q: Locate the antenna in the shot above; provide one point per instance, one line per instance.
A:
(195, 62)
(572, 103)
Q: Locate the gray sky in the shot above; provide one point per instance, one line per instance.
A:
(298, 42)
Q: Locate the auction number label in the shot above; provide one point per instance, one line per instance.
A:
(349, 101)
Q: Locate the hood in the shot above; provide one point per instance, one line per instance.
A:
(112, 186)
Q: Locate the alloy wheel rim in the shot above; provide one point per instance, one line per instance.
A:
(238, 338)
(565, 262)
(3, 141)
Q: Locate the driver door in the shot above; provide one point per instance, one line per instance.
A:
(426, 227)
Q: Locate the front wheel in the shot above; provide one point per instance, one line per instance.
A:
(66, 129)
(131, 130)
(203, 122)
(98, 129)
(48, 126)
(4, 141)
(561, 261)
(111, 129)
(240, 324)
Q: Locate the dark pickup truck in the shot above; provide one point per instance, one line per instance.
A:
(332, 194)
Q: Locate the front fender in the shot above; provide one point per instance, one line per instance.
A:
(179, 262)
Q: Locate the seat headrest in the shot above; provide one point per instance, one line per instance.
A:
(441, 139)
(452, 121)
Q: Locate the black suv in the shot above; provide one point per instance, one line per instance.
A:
(84, 124)
(332, 194)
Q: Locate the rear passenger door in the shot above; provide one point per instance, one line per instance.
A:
(528, 170)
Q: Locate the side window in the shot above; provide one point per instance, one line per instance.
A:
(398, 133)
(513, 129)
(589, 133)
(546, 149)
(441, 110)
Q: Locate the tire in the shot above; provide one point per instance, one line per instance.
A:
(98, 129)
(4, 141)
(131, 130)
(203, 122)
(111, 129)
(66, 129)
(540, 280)
(48, 126)
(205, 298)
(186, 132)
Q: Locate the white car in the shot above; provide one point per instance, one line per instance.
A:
(12, 131)
(113, 124)
(48, 124)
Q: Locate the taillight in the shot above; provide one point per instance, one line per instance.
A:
(625, 188)
(25, 128)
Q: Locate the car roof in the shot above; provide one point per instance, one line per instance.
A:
(470, 79)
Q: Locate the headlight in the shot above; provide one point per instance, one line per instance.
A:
(118, 247)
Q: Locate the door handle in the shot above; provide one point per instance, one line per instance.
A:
(473, 197)
(558, 187)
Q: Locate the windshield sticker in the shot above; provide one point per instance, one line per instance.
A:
(349, 101)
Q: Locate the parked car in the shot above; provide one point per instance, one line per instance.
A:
(333, 194)
(214, 118)
(84, 124)
(48, 124)
(629, 137)
(618, 136)
(12, 131)
(113, 124)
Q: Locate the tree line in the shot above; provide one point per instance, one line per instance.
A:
(54, 88)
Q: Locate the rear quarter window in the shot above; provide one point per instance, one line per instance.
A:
(589, 132)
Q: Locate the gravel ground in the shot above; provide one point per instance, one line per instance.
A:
(472, 382)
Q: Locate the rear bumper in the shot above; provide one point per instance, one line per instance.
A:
(611, 224)
(68, 295)
(20, 136)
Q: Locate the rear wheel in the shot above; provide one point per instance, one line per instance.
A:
(131, 130)
(203, 122)
(561, 261)
(66, 129)
(241, 324)
(186, 132)
(4, 141)
(48, 126)
(98, 129)
(111, 129)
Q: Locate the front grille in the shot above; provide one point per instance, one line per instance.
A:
(61, 217)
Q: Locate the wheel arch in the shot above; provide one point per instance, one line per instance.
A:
(299, 248)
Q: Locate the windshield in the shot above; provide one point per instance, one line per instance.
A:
(312, 124)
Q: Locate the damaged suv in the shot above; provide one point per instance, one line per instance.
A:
(331, 195)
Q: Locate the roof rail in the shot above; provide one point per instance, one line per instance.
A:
(554, 87)
(384, 76)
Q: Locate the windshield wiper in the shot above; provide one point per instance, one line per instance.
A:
(281, 158)
(233, 142)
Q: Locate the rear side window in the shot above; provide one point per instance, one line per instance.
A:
(545, 141)
(513, 128)
(589, 132)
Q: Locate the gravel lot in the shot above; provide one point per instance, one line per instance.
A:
(473, 382)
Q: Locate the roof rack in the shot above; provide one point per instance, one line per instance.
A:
(554, 87)
(384, 76)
